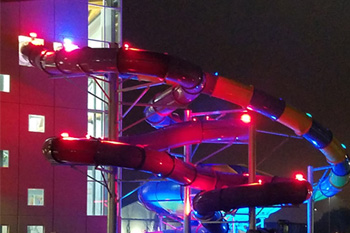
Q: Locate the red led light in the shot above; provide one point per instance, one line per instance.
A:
(246, 118)
(33, 34)
(135, 49)
(127, 47)
(49, 53)
(36, 41)
(64, 135)
(299, 177)
(112, 142)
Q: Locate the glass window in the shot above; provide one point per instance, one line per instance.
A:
(97, 124)
(57, 46)
(97, 113)
(35, 197)
(35, 229)
(112, 3)
(96, 97)
(4, 82)
(97, 127)
(96, 2)
(97, 193)
(4, 158)
(104, 27)
(4, 229)
(22, 41)
(36, 123)
(103, 23)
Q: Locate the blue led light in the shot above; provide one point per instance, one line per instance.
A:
(314, 142)
(343, 145)
(67, 40)
(308, 114)
(219, 139)
(273, 118)
(216, 73)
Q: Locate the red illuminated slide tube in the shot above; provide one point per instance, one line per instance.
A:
(131, 61)
(79, 61)
(292, 192)
(83, 151)
(193, 80)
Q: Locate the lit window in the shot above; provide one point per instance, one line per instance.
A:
(57, 46)
(36, 123)
(4, 82)
(35, 197)
(4, 229)
(97, 113)
(4, 158)
(97, 194)
(97, 124)
(35, 229)
(104, 20)
(23, 40)
(97, 127)
(96, 97)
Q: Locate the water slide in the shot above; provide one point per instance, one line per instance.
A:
(187, 82)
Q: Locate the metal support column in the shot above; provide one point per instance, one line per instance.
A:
(187, 189)
(160, 223)
(119, 172)
(310, 202)
(252, 168)
(114, 197)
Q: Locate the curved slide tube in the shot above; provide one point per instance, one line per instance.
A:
(251, 195)
(100, 152)
(83, 151)
(166, 198)
(193, 81)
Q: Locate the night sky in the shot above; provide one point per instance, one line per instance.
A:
(297, 50)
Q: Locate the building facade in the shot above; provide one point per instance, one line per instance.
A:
(34, 195)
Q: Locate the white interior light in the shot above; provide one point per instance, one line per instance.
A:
(4, 82)
(36, 123)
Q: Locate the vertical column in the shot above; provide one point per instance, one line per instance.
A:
(187, 189)
(310, 202)
(252, 167)
(119, 195)
(114, 221)
(160, 223)
(111, 214)
(119, 176)
(112, 134)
